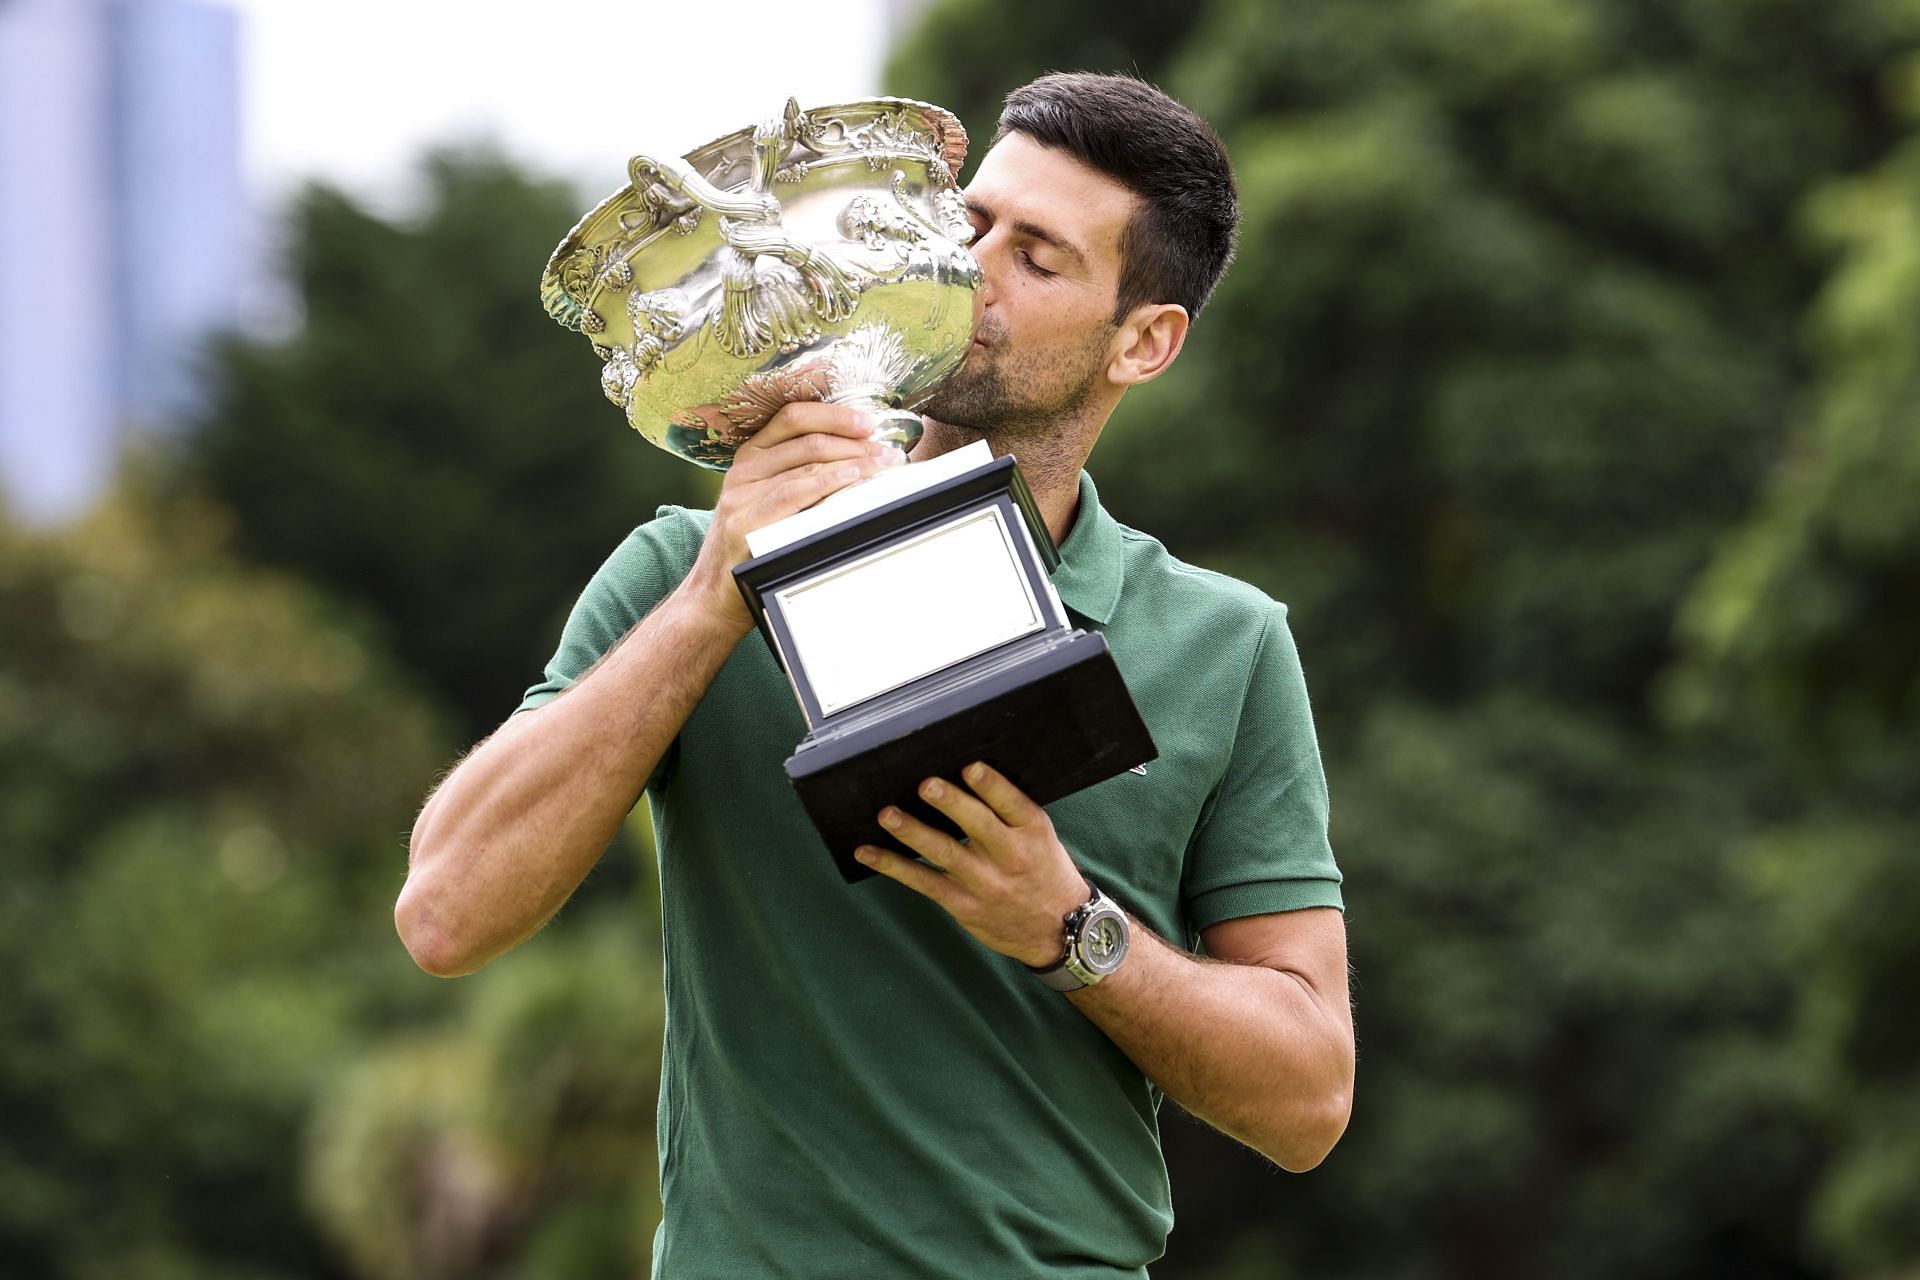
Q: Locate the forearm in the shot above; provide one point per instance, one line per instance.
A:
(510, 834)
(1253, 1050)
(1260, 1047)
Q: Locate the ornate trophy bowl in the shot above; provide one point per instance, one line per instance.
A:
(818, 256)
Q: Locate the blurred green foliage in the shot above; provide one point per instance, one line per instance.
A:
(1567, 386)
(206, 774)
(203, 775)
(515, 1142)
(1805, 634)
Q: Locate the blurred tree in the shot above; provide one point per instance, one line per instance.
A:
(967, 56)
(429, 445)
(203, 781)
(1805, 635)
(516, 1142)
(1572, 1048)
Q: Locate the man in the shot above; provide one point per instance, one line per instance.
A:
(871, 1081)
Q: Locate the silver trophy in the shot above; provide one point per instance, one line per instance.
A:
(820, 255)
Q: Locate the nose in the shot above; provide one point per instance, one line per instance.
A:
(986, 290)
(991, 264)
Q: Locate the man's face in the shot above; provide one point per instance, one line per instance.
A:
(1047, 233)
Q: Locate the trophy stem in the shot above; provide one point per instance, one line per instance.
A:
(892, 425)
(867, 370)
(897, 427)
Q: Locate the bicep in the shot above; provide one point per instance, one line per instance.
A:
(1310, 944)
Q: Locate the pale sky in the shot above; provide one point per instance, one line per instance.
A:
(353, 90)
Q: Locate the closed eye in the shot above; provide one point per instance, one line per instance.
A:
(1026, 260)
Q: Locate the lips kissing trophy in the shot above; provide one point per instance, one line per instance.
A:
(821, 255)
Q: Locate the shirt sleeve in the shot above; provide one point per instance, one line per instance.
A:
(638, 575)
(1261, 844)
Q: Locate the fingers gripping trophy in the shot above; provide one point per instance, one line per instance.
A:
(822, 256)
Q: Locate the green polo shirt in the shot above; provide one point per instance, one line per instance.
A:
(854, 1087)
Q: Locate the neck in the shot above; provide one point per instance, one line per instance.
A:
(1052, 469)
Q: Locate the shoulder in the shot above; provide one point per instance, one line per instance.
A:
(663, 548)
(641, 571)
(647, 564)
(1189, 597)
(677, 531)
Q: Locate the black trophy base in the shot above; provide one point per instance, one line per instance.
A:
(1054, 717)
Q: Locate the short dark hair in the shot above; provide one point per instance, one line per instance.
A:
(1181, 235)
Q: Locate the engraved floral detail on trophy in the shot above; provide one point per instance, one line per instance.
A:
(937, 248)
(590, 321)
(891, 135)
(776, 292)
(617, 274)
(817, 133)
(763, 304)
(618, 376)
(579, 271)
(763, 395)
(790, 173)
(575, 274)
(659, 320)
(869, 364)
(874, 224)
(662, 194)
(662, 313)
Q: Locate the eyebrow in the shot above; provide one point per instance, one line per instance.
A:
(1032, 230)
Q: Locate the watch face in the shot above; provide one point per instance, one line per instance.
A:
(1105, 941)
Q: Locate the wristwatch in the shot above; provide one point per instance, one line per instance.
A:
(1095, 934)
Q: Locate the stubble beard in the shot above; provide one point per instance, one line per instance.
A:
(982, 397)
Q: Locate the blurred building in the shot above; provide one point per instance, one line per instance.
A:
(125, 236)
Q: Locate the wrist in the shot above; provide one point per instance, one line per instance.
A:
(1094, 942)
(1050, 951)
(711, 601)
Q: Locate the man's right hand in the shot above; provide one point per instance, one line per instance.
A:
(809, 450)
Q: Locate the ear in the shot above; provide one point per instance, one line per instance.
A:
(1146, 343)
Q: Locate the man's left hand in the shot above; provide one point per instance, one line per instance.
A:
(1010, 883)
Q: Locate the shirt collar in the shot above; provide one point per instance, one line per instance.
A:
(1088, 578)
